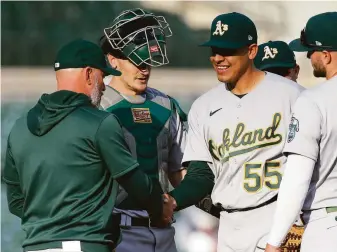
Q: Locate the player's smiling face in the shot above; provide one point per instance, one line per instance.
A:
(231, 64)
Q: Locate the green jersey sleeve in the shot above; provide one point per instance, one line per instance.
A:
(15, 196)
(113, 149)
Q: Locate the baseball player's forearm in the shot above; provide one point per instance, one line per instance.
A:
(292, 193)
(176, 177)
(146, 191)
(15, 199)
(197, 183)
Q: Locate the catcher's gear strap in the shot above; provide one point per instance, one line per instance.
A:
(175, 107)
(206, 205)
(292, 242)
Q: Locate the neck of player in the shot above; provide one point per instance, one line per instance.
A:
(247, 82)
(331, 74)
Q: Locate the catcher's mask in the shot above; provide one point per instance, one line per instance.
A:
(140, 36)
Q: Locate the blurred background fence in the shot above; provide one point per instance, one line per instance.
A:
(32, 32)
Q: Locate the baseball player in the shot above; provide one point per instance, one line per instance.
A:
(310, 179)
(152, 121)
(276, 57)
(239, 128)
(65, 159)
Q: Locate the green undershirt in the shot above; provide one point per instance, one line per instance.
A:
(197, 183)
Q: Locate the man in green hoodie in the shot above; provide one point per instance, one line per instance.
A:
(65, 159)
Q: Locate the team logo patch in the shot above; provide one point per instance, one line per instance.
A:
(220, 28)
(141, 115)
(294, 127)
(154, 48)
(269, 53)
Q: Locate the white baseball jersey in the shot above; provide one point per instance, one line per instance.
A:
(313, 133)
(243, 139)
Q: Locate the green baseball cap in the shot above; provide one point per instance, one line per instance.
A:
(232, 31)
(274, 54)
(82, 53)
(319, 34)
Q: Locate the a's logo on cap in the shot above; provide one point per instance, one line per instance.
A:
(318, 43)
(154, 48)
(269, 53)
(250, 37)
(220, 28)
(57, 64)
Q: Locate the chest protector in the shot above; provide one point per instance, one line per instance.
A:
(145, 121)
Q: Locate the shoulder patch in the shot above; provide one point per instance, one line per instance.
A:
(294, 127)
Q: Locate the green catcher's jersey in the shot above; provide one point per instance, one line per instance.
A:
(153, 128)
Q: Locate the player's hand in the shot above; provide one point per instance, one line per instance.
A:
(169, 204)
(271, 248)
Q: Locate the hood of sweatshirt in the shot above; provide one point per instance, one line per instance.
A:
(52, 109)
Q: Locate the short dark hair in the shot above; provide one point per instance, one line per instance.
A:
(282, 71)
(107, 48)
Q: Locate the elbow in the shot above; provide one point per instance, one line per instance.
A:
(15, 211)
(15, 207)
(207, 186)
(208, 181)
(210, 186)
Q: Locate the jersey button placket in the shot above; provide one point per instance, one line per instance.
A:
(238, 106)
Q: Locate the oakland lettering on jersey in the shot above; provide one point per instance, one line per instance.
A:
(252, 140)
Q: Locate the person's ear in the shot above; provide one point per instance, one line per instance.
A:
(88, 71)
(326, 57)
(252, 51)
(113, 61)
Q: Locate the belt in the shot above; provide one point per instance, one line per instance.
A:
(140, 222)
(136, 222)
(331, 209)
(248, 208)
(309, 215)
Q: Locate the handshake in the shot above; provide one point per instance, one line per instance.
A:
(169, 205)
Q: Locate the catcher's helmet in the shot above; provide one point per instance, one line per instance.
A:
(140, 36)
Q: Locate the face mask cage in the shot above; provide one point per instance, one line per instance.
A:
(140, 36)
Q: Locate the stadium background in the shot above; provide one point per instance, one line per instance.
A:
(32, 32)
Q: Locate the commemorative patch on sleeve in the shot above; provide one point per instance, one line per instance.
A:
(294, 127)
(141, 115)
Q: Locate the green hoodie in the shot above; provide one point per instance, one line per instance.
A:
(53, 108)
(62, 162)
